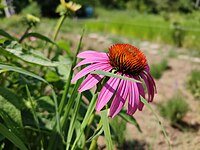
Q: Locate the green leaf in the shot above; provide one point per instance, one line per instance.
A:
(29, 56)
(67, 85)
(70, 103)
(130, 119)
(11, 110)
(12, 137)
(51, 76)
(86, 119)
(109, 74)
(73, 120)
(106, 129)
(64, 64)
(81, 142)
(32, 104)
(39, 36)
(13, 98)
(7, 35)
(157, 118)
(15, 127)
(66, 46)
(22, 71)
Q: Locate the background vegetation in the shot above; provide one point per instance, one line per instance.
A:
(40, 109)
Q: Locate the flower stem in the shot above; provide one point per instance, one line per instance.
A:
(56, 31)
(23, 36)
(67, 85)
(88, 114)
(93, 145)
(58, 26)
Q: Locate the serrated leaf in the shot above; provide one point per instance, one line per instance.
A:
(109, 74)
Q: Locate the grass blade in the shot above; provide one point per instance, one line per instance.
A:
(106, 129)
(12, 137)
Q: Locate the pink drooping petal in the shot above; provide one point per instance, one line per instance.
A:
(92, 80)
(107, 92)
(142, 93)
(88, 69)
(119, 99)
(90, 54)
(151, 83)
(151, 80)
(146, 68)
(91, 60)
(148, 87)
(89, 82)
(131, 107)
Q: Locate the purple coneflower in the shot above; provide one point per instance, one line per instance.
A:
(127, 61)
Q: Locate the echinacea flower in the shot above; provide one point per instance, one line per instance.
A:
(126, 60)
(70, 5)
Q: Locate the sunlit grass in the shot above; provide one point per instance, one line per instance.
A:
(174, 109)
(193, 83)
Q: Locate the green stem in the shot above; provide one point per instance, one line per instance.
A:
(58, 26)
(93, 145)
(88, 114)
(56, 31)
(67, 85)
(23, 36)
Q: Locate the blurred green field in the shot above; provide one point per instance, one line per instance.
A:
(155, 28)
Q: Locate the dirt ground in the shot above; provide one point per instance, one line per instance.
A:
(172, 82)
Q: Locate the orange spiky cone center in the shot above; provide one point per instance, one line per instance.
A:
(127, 59)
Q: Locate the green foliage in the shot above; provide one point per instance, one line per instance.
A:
(149, 27)
(118, 126)
(32, 8)
(158, 69)
(174, 109)
(193, 83)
